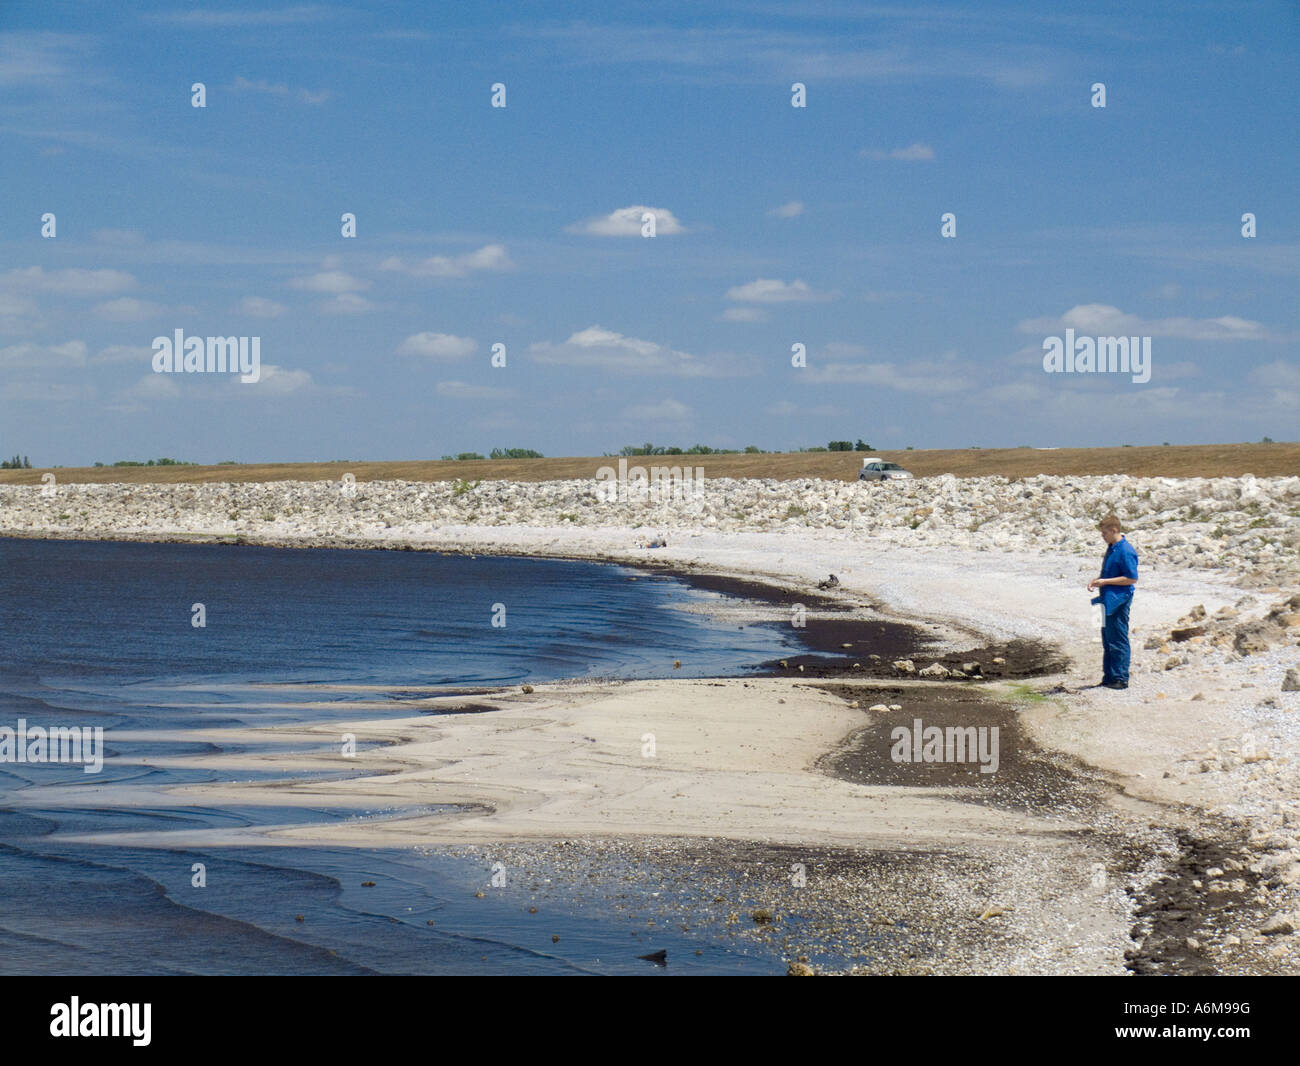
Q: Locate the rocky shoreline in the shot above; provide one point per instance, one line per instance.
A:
(1250, 525)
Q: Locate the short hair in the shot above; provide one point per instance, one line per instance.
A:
(1111, 521)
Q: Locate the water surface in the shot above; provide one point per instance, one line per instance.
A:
(101, 634)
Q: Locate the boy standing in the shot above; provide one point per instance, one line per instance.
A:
(1119, 573)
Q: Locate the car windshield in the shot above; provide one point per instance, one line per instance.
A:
(890, 466)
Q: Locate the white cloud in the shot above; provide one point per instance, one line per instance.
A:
(771, 291)
(277, 381)
(596, 346)
(347, 303)
(129, 309)
(627, 222)
(331, 281)
(491, 257)
(1103, 320)
(666, 410)
(744, 314)
(306, 96)
(445, 346)
(259, 307)
(49, 356)
(791, 210)
(913, 153)
(461, 390)
(73, 282)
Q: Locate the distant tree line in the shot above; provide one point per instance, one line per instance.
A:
(151, 462)
(497, 453)
(694, 449)
(16, 463)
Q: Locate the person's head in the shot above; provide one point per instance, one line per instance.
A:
(1110, 528)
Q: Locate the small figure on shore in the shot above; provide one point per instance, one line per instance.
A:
(660, 541)
(830, 583)
(1119, 573)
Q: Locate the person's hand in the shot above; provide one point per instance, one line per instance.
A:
(1095, 583)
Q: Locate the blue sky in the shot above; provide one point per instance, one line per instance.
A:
(775, 225)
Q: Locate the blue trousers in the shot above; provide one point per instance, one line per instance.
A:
(1114, 642)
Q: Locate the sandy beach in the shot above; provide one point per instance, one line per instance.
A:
(1149, 830)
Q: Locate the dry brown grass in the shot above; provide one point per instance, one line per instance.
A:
(1195, 460)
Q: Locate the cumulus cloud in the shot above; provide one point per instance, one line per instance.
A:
(627, 222)
(791, 210)
(913, 153)
(596, 346)
(772, 291)
(462, 390)
(444, 346)
(491, 257)
(347, 303)
(1103, 320)
(259, 307)
(276, 381)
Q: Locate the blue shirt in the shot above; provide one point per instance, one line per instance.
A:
(1120, 560)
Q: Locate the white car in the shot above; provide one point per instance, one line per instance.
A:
(876, 469)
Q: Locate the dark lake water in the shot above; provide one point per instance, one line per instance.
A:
(101, 634)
